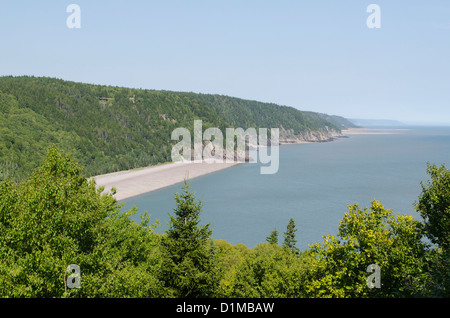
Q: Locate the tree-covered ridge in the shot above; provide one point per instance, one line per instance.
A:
(248, 113)
(57, 217)
(110, 128)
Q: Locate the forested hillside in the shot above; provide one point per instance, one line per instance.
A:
(109, 128)
(57, 217)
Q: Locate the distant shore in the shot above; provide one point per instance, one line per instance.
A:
(135, 182)
(131, 183)
(373, 131)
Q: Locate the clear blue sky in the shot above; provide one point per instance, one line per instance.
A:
(312, 55)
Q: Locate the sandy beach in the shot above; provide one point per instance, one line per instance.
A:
(373, 131)
(135, 182)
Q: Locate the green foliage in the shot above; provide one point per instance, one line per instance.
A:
(25, 137)
(124, 261)
(289, 237)
(228, 257)
(107, 129)
(270, 271)
(371, 236)
(45, 227)
(57, 217)
(273, 237)
(434, 207)
(187, 258)
(247, 113)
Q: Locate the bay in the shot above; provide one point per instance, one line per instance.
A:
(314, 184)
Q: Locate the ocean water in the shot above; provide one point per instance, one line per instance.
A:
(314, 184)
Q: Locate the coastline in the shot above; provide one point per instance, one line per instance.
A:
(373, 131)
(130, 183)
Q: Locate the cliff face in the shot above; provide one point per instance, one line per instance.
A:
(287, 136)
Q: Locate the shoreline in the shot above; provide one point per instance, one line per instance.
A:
(130, 183)
(373, 131)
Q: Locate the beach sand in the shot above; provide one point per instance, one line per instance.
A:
(134, 182)
(372, 131)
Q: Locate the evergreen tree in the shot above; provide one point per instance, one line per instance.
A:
(188, 261)
(289, 237)
(273, 237)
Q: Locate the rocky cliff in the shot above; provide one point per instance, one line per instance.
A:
(287, 136)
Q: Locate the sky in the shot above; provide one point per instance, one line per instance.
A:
(312, 55)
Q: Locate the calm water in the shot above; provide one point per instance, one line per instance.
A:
(314, 185)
